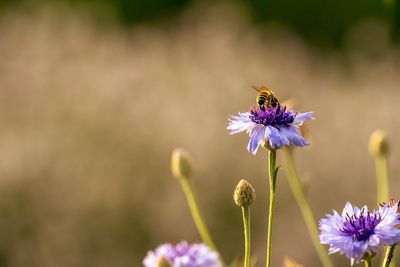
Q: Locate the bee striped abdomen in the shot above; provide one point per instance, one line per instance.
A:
(266, 97)
(261, 98)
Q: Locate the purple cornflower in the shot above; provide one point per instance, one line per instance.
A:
(275, 125)
(359, 231)
(183, 255)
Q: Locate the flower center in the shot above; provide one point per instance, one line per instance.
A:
(272, 116)
(361, 227)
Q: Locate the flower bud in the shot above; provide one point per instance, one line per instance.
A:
(181, 164)
(378, 144)
(163, 262)
(244, 194)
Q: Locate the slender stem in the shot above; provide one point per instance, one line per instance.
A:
(272, 184)
(382, 183)
(304, 205)
(196, 214)
(388, 256)
(367, 261)
(246, 225)
(382, 177)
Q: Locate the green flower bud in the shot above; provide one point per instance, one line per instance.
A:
(181, 164)
(244, 194)
(378, 144)
(163, 262)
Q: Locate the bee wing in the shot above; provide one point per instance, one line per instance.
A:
(258, 88)
(261, 88)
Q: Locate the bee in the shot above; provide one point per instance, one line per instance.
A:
(391, 203)
(265, 97)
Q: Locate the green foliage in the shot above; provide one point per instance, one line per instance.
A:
(321, 22)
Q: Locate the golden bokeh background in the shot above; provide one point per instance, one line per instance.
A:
(90, 113)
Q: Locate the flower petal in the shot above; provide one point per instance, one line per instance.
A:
(301, 117)
(294, 136)
(348, 210)
(240, 123)
(275, 137)
(256, 136)
(358, 231)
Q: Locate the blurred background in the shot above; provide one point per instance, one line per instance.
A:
(95, 95)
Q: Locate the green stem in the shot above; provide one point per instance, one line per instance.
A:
(246, 225)
(388, 256)
(304, 205)
(382, 184)
(382, 177)
(368, 262)
(272, 171)
(196, 214)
